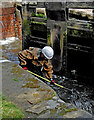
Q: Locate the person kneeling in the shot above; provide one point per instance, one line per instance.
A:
(38, 60)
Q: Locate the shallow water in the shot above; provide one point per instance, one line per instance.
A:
(82, 95)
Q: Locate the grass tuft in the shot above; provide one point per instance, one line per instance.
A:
(16, 80)
(9, 110)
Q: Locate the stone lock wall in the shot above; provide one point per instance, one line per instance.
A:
(10, 25)
(18, 24)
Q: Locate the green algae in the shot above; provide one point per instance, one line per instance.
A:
(16, 80)
(49, 96)
(14, 65)
(30, 85)
(42, 89)
(33, 80)
(48, 93)
(39, 100)
(52, 112)
(49, 39)
(54, 94)
(26, 27)
(35, 94)
(40, 23)
(64, 111)
(16, 70)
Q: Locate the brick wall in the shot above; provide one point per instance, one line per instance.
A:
(9, 25)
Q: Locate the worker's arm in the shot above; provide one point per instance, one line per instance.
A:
(24, 56)
(48, 68)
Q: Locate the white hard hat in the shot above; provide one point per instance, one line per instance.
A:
(48, 52)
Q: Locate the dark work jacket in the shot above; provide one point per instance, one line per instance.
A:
(31, 59)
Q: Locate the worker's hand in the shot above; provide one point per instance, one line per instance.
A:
(52, 81)
(25, 68)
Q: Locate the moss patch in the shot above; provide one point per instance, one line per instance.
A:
(16, 80)
(54, 94)
(66, 109)
(30, 85)
(26, 27)
(52, 112)
(15, 70)
(49, 95)
(33, 83)
(40, 23)
(42, 89)
(35, 94)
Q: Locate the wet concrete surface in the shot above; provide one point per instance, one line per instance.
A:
(36, 99)
(13, 80)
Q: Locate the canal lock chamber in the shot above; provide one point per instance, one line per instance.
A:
(80, 57)
(73, 58)
(80, 47)
(74, 49)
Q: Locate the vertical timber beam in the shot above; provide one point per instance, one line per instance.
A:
(57, 34)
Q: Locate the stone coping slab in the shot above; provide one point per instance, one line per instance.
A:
(33, 96)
